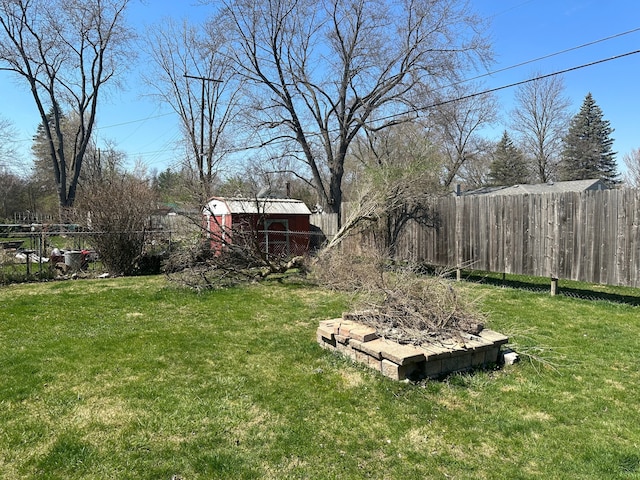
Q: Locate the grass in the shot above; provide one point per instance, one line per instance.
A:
(568, 288)
(131, 379)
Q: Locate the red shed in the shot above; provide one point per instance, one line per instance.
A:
(281, 225)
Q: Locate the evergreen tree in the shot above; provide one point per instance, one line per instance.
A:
(174, 186)
(588, 146)
(42, 184)
(42, 162)
(508, 166)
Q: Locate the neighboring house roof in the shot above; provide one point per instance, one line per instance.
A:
(263, 206)
(550, 187)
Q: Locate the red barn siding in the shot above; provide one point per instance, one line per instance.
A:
(281, 226)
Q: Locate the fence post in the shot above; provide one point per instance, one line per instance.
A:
(41, 248)
(554, 286)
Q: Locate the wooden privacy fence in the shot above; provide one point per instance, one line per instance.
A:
(327, 223)
(591, 236)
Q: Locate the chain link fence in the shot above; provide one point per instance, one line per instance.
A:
(42, 252)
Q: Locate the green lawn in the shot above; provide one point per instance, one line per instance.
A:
(131, 379)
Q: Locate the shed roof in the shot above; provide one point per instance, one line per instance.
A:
(550, 187)
(263, 206)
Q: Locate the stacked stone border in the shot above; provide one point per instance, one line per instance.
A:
(362, 344)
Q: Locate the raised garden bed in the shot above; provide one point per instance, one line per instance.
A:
(431, 359)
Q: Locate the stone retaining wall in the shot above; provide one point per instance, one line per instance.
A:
(362, 344)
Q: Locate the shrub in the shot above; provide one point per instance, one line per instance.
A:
(116, 212)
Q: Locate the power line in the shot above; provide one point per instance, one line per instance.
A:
(136, 121)
(492, 90)
(510, 8)
(445, 102)
(550, 55)
(511, 67)
(515, 84)
(457, 99)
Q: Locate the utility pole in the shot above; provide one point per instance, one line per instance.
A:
(203, 80)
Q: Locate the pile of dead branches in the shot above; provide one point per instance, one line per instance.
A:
(399, 303)
(197, 266)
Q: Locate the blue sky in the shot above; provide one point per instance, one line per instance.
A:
(521, 30)
(526, 30)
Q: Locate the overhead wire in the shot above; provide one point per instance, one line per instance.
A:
(487, 74)
(510, 8)
(462, 98)
(151, 117)
(503, 87)
(550, 55)
(444, 102)
(433, 105)
(522, 82)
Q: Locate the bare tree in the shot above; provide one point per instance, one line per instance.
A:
(42, 167)
(7, 148)
(19, 191)
(13, 186)
(396, 181)
(457, 117)
(400, 169)
(540, 120)
(193, 73)
(632, 162)
(65, 50)
(101, 164)
(324, 71)
(474, 172)
(15, 193)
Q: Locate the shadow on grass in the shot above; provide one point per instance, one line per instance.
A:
(537, 285)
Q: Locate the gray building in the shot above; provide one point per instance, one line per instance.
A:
(550, 187)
